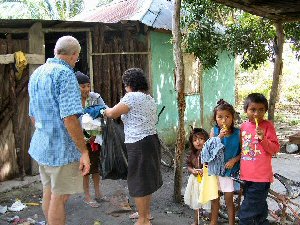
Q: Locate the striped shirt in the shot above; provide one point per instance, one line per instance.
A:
(54, 95)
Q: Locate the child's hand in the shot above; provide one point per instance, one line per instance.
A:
(230, 164)
(223, 133)
(197, 171)
(260, 133)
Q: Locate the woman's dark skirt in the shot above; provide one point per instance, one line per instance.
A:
(144, 176)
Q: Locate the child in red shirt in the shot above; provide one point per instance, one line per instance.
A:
(259, 144)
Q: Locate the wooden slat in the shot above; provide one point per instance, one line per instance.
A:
(31, 59)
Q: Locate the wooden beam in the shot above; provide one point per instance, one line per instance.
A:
(14, 30)
(31, 58)
(122, 53)
(66, 29)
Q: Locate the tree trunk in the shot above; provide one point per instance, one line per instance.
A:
(15, 112)
(277, 73)
(180, 142)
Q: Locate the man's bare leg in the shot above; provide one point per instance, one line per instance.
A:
(46, 200)
(56, 212)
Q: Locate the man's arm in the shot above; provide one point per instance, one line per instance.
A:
(32, 120)
(73, 126)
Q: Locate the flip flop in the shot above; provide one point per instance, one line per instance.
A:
(93, 204)
(136, 216)
(102, 199)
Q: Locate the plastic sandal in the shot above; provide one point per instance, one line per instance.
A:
(93, 204)
(136, 216)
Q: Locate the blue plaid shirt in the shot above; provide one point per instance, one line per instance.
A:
(54, 94)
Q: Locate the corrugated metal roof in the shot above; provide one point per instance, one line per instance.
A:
(159, 15)
(153, 13)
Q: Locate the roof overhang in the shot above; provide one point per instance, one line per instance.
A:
(286, 10)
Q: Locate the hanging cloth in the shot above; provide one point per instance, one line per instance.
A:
(20, 63)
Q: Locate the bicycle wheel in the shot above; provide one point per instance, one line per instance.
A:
(167, 158)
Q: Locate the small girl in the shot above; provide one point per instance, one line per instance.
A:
(223, 119)
(197, 138)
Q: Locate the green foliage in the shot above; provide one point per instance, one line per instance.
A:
(292, 32)
(250, 37)
(279, 117)
(292, 94)
(294, 122)
(210, 28)
(46, 9)
(202, 36)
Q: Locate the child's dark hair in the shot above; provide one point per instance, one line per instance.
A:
(197, 131)
(255, 98)
(223, 105)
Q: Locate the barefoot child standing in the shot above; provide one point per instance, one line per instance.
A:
(197, 138)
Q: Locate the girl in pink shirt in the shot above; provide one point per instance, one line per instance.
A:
(259, 144)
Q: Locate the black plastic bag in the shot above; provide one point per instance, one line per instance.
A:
(114, 153)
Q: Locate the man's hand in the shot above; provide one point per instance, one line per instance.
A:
(84, 164)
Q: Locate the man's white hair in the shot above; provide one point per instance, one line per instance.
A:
(67, 45)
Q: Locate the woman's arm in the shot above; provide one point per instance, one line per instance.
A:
(116, 111)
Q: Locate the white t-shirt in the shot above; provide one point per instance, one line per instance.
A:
(141, 119)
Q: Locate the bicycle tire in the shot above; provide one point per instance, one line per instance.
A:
(167, 158)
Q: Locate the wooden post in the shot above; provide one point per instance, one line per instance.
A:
(180, 142)
(90, 58)
(200, 74)
(36, 45)
(277, 73)
(15, 111)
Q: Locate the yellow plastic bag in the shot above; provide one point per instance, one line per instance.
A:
(199, 178)
(209, 189)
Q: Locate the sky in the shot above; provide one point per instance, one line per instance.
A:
(90, 4)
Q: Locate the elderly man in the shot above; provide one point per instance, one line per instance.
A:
(58, 143)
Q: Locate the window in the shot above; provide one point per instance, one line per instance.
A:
(192, 73)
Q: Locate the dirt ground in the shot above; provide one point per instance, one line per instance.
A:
(164, 210)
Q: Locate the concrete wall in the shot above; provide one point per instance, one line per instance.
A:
(217, 82)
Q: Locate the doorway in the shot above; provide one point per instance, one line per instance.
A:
(50, 40)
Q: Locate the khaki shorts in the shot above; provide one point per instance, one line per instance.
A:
(65, 179)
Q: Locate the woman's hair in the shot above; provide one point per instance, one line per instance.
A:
(197, 131)
(255, 98)
(67, 45)
(135, 79)
(223, 105)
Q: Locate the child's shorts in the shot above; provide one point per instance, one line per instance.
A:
(225, 184)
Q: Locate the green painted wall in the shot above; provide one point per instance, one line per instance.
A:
(217, 82)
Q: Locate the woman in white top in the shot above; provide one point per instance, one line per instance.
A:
(138, 113)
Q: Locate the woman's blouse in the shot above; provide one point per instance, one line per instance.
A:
(141, 119)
